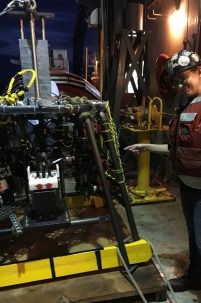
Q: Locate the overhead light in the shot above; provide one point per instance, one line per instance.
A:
(177, 22)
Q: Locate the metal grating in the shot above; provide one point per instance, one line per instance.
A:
(7, 210)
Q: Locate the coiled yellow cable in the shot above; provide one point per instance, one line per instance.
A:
(11, 98)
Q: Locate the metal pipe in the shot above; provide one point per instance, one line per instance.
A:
(43, 28)
(59, 109)
(86, 62)
(160, 104)
(105, 185)
(198, 27)
(21, 28)
(33, 110)
(33, 47)
(187, 20)
(52, 225)
(101, 63)
(105, 61)
(100, 219)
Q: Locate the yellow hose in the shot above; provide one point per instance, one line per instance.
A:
(11, 98)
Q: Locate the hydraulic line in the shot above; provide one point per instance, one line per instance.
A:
(109, 139)
(97, 158)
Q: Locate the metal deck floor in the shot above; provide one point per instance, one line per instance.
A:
(162, 224)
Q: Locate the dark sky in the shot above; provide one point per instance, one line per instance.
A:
(59, 32)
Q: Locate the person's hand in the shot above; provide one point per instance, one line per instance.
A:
(137, 148)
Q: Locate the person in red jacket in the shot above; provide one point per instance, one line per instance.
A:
(184, 72)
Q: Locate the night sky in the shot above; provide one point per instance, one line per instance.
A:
(59, 32)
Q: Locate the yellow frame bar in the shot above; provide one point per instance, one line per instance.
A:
(77, 263)
(24, 272)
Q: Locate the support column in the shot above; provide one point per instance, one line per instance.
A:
(143, 163)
